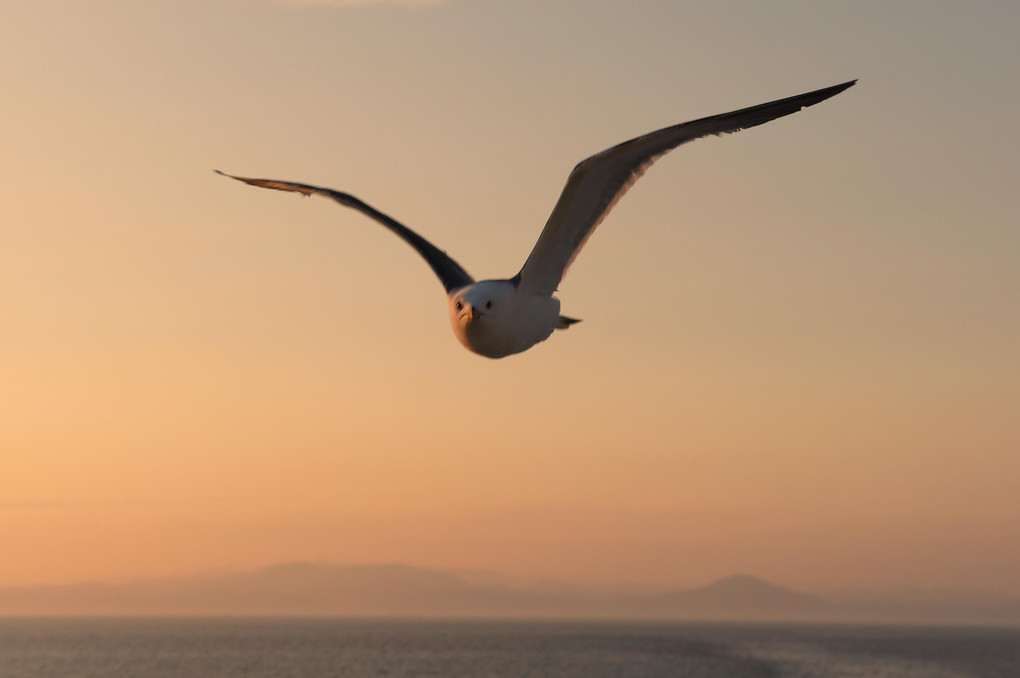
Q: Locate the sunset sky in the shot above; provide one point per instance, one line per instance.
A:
(800, 355)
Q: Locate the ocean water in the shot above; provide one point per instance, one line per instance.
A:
(323, 648)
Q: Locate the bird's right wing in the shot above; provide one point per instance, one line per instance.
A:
(450, 273)
(596, 184)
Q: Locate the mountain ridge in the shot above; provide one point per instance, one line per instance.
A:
(394, 589)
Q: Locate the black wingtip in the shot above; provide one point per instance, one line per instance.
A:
(827, 92)
(836, 89)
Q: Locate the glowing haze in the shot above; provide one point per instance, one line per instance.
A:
(799, 355)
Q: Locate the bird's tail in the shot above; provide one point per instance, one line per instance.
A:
(565, 322)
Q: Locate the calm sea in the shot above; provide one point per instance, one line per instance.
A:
(256, 648)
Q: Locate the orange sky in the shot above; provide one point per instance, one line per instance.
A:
(799, 351)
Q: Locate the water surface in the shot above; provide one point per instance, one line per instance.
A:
(257, 648)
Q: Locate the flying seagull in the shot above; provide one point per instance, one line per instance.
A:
(497, 318)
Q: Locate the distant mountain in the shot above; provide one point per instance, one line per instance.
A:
(739, 597)
(401, 590)
(290, 589)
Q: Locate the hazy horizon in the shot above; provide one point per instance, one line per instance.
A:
(483, 574)
(800, 355)
(400, 590)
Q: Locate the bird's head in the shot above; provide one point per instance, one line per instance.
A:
(479, 303)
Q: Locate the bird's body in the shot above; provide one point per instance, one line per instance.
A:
(497, 318)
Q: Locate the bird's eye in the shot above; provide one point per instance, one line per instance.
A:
(488, 304)
(460, 306)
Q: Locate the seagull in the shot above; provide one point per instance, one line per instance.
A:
(497, 318)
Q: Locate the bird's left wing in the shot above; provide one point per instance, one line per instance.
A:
(450, 273)
(596, 184)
